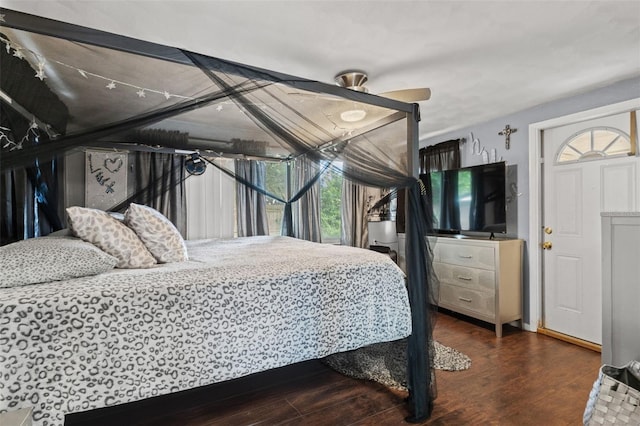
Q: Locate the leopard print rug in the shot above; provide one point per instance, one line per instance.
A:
(386, 363)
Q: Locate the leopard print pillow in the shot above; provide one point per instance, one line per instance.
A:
(45, 259)
(110, 235)
(157, 233)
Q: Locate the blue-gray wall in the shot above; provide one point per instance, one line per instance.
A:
(487, 136)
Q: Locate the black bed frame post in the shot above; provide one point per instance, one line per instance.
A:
(288, 212)
(418, 370)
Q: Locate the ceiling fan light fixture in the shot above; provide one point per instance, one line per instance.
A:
(353, 80)
(353, 115)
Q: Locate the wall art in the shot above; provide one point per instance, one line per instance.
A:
(105, 179)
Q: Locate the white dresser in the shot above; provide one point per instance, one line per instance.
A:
(480, 278)
(620, 287)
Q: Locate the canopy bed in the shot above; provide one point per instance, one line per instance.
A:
(107, 88)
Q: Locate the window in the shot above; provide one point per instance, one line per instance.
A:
(594, 144)
(330, 204)
(330, 193)
(436, 198)
(464, 198)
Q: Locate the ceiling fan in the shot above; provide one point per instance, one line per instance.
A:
(355, 80)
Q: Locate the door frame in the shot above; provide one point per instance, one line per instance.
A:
(535, 195)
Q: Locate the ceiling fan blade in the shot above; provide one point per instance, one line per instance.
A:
(409, 95)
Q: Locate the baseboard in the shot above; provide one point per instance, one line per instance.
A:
(570, 339)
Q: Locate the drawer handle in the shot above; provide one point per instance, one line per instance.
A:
(460, 277)
(464, 299)
(465, 256)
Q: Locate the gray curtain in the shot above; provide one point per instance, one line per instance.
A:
(354, 215)
(160, 177)
(160, 184)
(306, 211)
(30, 202)
(441, 156)
(251, 208)
(438, 157)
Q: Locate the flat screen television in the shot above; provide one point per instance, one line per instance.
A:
(470, 199)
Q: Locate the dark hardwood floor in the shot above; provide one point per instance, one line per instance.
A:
(521, 379)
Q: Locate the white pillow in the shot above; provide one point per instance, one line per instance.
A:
(157, 232)
(110, 235)
(64, 232)
(39, 260)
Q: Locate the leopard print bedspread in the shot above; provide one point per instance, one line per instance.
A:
(236, 307)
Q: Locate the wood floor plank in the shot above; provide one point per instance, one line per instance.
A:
(317, 399)
(277, 412)
(389, 417)
(345, 412)
(521, 379)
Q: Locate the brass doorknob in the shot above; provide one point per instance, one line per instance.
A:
(547, 245)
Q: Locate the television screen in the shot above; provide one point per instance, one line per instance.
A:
(470, 199)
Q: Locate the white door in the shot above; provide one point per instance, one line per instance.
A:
(586, 171)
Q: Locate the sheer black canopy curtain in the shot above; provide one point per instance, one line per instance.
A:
(31, 196)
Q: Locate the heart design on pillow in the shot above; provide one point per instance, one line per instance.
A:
(113, 164)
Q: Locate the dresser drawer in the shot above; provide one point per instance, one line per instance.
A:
(465, 255)
(463, 299)
(472, 278)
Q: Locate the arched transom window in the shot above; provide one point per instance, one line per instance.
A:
(594, 144)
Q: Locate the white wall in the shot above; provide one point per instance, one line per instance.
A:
(488, 138)
(74, 179)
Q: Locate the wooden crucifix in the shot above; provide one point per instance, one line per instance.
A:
(506, 132)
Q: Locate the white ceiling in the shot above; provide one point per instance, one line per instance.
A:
(481, 59)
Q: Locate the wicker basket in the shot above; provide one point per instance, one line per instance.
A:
(615, 397)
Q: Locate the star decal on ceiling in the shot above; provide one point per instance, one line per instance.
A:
(141, 93)
(83, 73)
(167, 95)
(219, 108)
(111, 85)
(40, 72)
